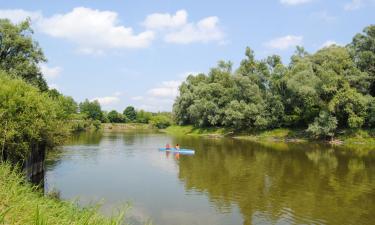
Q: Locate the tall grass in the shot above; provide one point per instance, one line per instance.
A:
(21, 203)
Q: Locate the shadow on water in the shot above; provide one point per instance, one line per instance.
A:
(270, 183)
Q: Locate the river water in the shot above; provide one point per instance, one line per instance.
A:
(226, 182)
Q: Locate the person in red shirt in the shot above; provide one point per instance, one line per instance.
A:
(168, 146)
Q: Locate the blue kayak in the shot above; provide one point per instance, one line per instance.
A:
(182, 151)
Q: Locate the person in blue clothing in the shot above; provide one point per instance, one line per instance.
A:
(177, 147)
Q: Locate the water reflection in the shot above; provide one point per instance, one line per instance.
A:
(227, 181)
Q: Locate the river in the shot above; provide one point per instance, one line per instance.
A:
(226, 182)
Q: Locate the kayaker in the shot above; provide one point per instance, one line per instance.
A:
(167, 146)
(177, 146)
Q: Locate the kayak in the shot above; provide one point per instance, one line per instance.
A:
(182, 151)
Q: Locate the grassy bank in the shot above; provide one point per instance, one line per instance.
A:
(126, 126)
(348, 138)
(21, 203)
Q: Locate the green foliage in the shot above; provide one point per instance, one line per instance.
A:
(143, 116)
(130, 113)
(91, 109)
(323, 126)
(362, 50)
(115, 117)
(27, 118)
(161, 121)
(20, 55)
(265, 94)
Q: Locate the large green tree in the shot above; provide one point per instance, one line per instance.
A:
(363, 52)
(20, 55)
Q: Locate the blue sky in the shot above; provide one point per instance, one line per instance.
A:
(137, 52)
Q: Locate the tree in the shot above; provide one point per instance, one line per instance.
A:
(130, 113)
(91, 109)
(115, 117)
(28, 118)
(323, 126)
(20, 55)
(161, 121)
(362, 50)
(143, 116)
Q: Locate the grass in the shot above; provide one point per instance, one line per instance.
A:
(23, 204)
(358, 138)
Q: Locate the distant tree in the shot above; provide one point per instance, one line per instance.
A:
(161, 121)
(91, 109)
(67, 103)
(143, 116)
(20, 55)
(130, 113)
(115, 117)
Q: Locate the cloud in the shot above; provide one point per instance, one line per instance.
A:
(329, 43)
(294, 2)
(283, 43)
(166, 20)
(176, 28)
(105, 101)
(19, 15)
(168, 89)
(50, 72)
(353, 5)
(204, 31)
(94, 31)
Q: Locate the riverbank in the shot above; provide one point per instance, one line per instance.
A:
(22, 203)
(364, 139)
(126, 126)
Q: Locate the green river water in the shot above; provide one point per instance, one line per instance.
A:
(226, 182)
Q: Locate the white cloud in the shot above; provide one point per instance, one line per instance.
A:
(168, 89)
(329, 43)
(294, 2)
(105, 101)
(166, 20)
(50, 72)
(205, 30)
(94, 31)
(18, 15)
(353, 5)
(177, 29)
(283, 43)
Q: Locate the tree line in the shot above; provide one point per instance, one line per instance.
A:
(92, 110)
(322, 92)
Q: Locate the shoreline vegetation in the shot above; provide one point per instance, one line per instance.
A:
(364, 139)
(23, 203)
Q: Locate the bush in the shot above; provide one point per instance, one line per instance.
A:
(161, 121)
(323, 126)
(27, 118)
